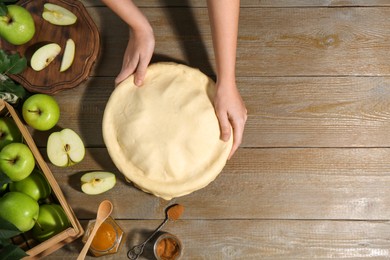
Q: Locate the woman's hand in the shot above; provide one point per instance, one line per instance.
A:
(231, 113)
(141, 42)
(137, 56)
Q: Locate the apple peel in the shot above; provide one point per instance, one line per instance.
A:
(94, 183)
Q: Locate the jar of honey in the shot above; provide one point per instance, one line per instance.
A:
(107, 239)
(167, 247)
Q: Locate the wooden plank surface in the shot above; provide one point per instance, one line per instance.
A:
(262, 239)
(253, 3)
(284, 42)
(311, 178)
(258, 184)
(283, 112)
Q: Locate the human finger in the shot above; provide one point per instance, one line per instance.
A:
(224, 125)
(238, 131)
(140, 72)
(125, 73)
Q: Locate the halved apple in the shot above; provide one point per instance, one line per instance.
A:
(44, 56)
(68, 57)
(93, 183)
(58, 15)
(65, 148)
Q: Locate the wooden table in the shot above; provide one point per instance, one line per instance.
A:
(312, 176)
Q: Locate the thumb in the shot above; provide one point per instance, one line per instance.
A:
(124, 74)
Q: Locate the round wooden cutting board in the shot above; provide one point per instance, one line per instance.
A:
(85, 35)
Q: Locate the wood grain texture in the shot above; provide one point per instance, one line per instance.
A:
(272, 41)
(311, 178)
(252, 3)
(283, 111)
(258, 184)
(261, 239)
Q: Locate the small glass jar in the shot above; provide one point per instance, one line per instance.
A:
(167, 247)
(107, 239)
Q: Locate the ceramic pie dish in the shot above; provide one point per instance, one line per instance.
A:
(164, 136)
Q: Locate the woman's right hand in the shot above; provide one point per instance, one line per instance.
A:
(138, 54)
(140, 46)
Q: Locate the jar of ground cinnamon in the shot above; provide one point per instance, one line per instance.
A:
(167, 247)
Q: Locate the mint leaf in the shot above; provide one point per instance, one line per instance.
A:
(3, 9)
(5, 61)
(7, 85)
(12, 252)
(17, 64)
(12, 63)
(9, 251)
(7, 230)
(4, 179)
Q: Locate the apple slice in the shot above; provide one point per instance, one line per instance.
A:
(93, 183)
(68, 57)
(44, 56)
(65, 148)
(58, 15)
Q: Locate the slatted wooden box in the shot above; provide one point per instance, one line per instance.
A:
(34, 249)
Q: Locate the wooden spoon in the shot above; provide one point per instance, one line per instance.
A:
(104, 211)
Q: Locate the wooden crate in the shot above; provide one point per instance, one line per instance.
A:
(34, 249)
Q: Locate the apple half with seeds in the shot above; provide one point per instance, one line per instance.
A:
(58, 15)
(68, 57)
(65, 148)
(44, 56)
(93, 183)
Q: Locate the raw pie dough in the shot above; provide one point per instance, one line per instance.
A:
(164, 136)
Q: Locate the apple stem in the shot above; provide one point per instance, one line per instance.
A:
(13, 161)
(35, 111)
(37, 223)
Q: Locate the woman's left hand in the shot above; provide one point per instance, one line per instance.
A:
(232, 114)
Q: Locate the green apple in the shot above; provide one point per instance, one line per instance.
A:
(68, 57)
(3, 188)
(17, 161)
(51, 220)
(35, 185)
(42, 57)
(19, 209)
(58, 15)
(97, 182)
(9, 132)
(17, 25)
(41, 111)
(65, 148)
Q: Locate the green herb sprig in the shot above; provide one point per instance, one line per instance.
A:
(9, 251)
(11, 63)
